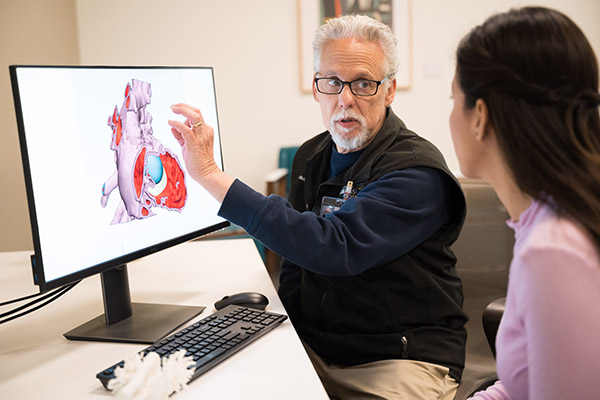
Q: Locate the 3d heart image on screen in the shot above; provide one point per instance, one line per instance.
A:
(147, 173)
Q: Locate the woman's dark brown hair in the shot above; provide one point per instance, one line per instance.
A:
(538, 76)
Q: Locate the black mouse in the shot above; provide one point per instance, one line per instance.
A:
(245, 299)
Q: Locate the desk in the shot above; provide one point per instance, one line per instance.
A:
(37, 361)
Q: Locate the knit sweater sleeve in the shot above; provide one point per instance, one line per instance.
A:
(494, 392)
(558, 290)
(387, 219)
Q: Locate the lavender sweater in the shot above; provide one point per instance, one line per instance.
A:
(548, 342)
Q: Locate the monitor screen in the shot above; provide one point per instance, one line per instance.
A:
(105, 178)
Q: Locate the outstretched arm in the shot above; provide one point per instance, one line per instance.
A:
(387, 219)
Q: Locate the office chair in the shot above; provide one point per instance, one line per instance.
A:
(491, 319)
(484, 252)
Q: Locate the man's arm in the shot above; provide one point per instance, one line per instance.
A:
(387, 219)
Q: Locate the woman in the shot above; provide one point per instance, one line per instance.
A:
(526, 120)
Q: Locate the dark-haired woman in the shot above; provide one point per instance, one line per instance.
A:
(526, 120)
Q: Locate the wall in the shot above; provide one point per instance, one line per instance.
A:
(31, 32)
(253, 46)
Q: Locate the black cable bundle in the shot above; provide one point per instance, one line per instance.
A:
(51, 296)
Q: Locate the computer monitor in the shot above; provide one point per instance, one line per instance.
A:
(106, 182)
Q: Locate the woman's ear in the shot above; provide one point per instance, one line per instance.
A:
(481, 119)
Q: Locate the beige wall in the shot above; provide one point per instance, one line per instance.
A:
(252, 45)
(31, 32)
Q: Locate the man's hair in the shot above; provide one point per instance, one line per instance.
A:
(358, 27)
(538, 76)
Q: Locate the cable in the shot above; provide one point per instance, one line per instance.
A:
(53, 296)
(45, 296)
(18, 300)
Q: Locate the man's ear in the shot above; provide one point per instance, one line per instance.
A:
(390, 93)
(482, 120)
(314, 88)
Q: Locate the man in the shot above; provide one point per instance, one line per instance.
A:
(368, 278)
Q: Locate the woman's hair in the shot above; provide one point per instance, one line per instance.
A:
(538, 76)
(360, 27)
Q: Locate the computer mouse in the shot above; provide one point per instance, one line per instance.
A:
(245, 299)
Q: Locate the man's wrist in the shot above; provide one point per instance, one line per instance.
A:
(217, 183)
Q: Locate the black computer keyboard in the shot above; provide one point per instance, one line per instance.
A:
(212, 339)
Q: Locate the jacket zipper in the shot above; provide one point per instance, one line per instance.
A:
(404, 347)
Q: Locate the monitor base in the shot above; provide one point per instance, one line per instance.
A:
(148, 324)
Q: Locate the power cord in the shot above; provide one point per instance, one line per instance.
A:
(51, 296)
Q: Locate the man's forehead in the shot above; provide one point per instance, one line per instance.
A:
(350, 56)
(350, 46)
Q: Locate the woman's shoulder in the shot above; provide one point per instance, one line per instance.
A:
(553, 234)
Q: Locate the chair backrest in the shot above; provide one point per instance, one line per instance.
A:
(486, 242)
(286, 158)
(484, 252)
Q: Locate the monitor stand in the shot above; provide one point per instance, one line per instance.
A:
(124, 321)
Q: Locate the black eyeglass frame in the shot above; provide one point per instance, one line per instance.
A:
(349, 83)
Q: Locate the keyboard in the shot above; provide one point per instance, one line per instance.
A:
(212, 339)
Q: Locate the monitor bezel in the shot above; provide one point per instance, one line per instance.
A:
(37, 258)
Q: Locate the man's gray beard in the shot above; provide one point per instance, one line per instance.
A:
(356, 141)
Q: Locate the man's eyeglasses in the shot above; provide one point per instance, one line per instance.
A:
(358, 87)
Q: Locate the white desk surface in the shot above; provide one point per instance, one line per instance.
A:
(36, 360)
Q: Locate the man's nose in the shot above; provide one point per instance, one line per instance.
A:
(346, 98)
